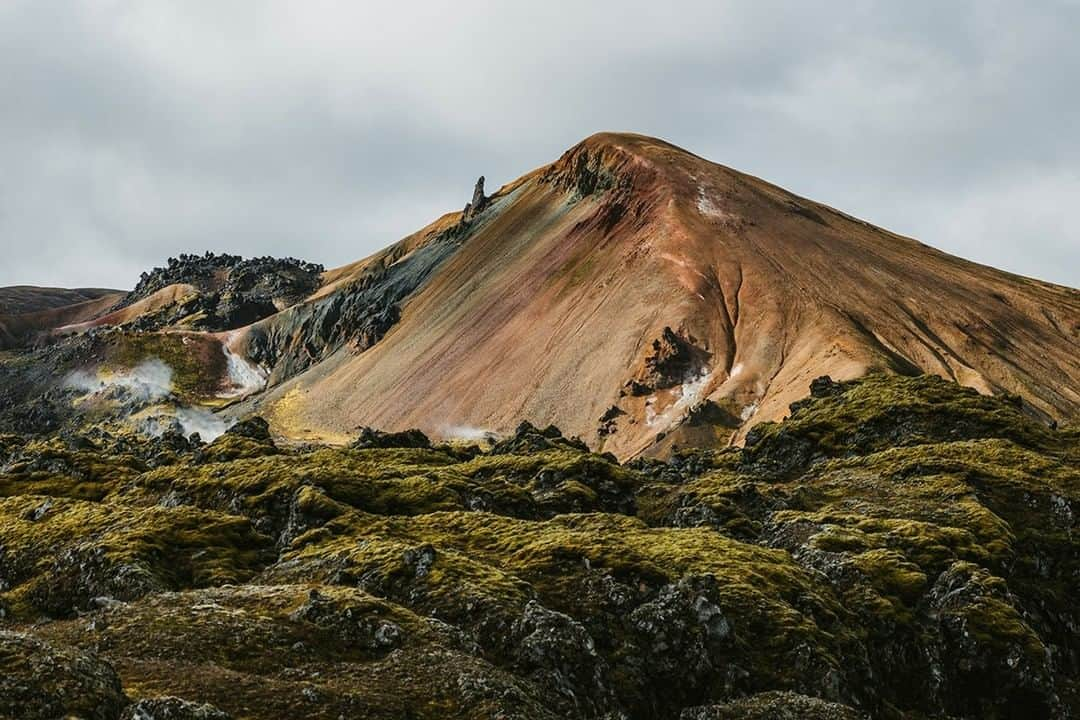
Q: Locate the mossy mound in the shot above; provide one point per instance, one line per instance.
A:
(61, 555)
(75, 467)
(774, 706)
(972, 496)
(40, 681)
(681, 602)
(883, 411)
(299, 651)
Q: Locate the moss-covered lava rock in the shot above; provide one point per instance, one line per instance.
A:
(900, 548)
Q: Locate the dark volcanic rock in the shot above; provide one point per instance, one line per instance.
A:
(774, 706)
(557, 651)
(686, 633)
(357, 315)
(234, 291)
(354, 623)
(41, 682)
(478, 203)
(529, 438)
(253, 428)
(172, 708)
(674, 360)
(371, 438)
(982, 677)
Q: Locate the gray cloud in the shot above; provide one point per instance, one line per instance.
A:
(135, 130)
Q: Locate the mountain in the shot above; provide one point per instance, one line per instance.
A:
(22, 299)
(632, 293)
(632, 289)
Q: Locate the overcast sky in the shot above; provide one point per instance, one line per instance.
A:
(134, 130)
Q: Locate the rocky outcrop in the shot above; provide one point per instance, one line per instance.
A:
(557, 652)
(529, 438)
(372, 438)
(477, 204)
(232, 291)
(774, 706)
(39, 681)
(172, 708)
(674, 359)
(273, 276)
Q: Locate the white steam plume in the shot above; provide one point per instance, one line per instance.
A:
(147, 381)
(186, 420)
(468, 433)
(246, 377)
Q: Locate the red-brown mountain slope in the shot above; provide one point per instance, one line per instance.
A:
(632, 285)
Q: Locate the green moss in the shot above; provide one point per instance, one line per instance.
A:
(879, 412)
(497, 563)
(851, 546)
(735, 503)
(890, 572)
(59, 553)
(240, 474)
(197, 361)
(50, 467)
(272, 648)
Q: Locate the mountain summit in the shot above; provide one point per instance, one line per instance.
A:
(632, 293)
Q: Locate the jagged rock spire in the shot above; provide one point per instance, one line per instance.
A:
(479, 201)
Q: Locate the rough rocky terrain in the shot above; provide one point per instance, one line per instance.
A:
(214, 292)
(897, 548)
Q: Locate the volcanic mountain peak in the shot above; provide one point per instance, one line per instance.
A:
(630, 292)
(569, 294)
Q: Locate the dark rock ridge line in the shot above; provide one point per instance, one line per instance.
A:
(233, 291)
(200, 271)
(359, 314)
(23, 299)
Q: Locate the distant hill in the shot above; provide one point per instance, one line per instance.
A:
(22, 299)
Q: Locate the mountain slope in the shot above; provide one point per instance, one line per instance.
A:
(630, 285)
